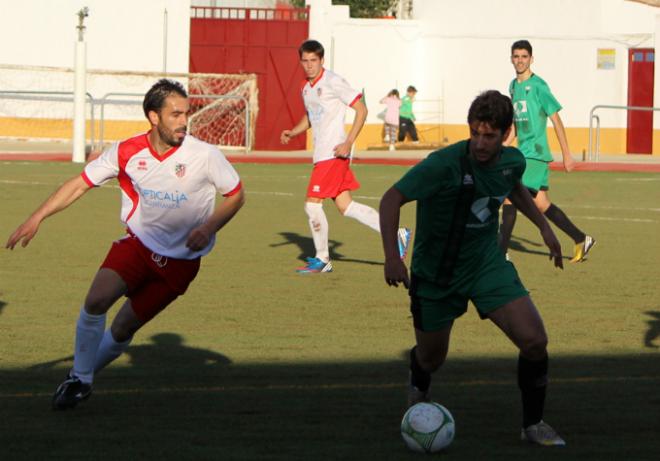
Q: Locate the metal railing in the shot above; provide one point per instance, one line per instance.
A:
(61, 96)
(106, 100)
(594, 154)
(109, 99)
(254, 14)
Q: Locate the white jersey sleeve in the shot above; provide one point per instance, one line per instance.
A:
(103, 168)
(343, 90)
(221, 173)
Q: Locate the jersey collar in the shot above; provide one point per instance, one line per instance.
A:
(318, 77)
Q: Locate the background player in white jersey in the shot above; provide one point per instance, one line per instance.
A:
(326, 96)
(168, 183)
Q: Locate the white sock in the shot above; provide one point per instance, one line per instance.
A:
(318, 224)
(363, 213)
(108, 350)
(89, 331)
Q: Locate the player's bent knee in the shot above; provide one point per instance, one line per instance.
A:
(123, 329)
(535, 347)
(432, 361)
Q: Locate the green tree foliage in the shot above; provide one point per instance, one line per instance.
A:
(367, 8)
(359, 8)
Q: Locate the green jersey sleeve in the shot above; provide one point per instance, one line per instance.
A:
(547, 101)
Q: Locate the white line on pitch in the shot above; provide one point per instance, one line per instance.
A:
(605, 218)
(114, 186)
(591, 207)
(287, 194)
(366, 197)
(638, 179)
(28, 183)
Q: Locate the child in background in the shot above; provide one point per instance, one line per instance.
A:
(406, 116)
(393, 103)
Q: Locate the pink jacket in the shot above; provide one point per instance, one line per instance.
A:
(392, 112)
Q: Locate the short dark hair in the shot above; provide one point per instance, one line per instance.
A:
(493, 108)
(311, 46)
(155, 97)
(522, 45)
(411, 88)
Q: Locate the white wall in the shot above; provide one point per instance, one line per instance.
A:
(656, 93)
(394, 65)
(120, 34)
(456, 48)
(473, 38)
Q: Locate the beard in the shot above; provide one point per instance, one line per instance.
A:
(169, 136)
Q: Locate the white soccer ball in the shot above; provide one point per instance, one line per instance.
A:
(427, 427)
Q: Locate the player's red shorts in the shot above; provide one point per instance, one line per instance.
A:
(330, 178)
(153, 281)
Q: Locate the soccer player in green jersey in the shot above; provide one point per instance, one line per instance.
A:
(486, 172)
(533, 104)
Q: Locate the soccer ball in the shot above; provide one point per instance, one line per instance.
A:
(427, 427)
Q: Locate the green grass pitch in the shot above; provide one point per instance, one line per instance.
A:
(257, 362)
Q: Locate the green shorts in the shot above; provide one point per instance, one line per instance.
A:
(536, 174)
(490, 287)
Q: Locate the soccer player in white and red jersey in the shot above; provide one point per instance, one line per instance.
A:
(168, 183)
(326, 96)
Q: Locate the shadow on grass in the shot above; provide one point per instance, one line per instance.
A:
(306, 246)
(170, 345)
(653, 332)
(178, 402)
(516, 244)
(2, 306)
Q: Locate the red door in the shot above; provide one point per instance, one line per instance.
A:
(640, 93)
(259, 41)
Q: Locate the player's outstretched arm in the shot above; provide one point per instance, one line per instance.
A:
(343, 150)
(67, 193)
(523, 201)
(566, 156)
(390, 210)
(200, 236)
(302, 126)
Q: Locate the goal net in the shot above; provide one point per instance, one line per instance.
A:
(223, 108)
(36, 104)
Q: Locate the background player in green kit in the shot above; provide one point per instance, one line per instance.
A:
(533, 104)
(480, 272)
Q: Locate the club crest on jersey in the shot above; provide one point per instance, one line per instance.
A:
(142, 165)
(319, 90)
(180, 170)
